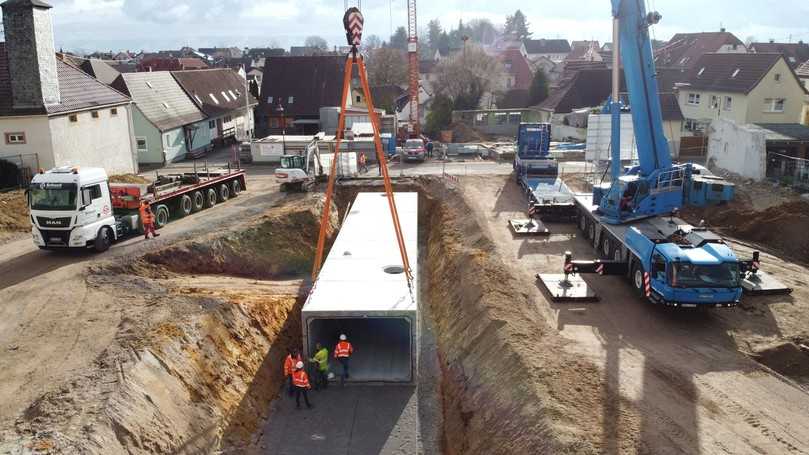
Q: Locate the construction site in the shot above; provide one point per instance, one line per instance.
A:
(532, 303)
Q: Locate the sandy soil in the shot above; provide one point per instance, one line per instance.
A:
(684, 382)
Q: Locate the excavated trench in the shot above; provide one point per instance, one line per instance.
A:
(199, 365)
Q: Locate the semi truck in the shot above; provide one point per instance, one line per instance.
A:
(74, 207)
(632, 219)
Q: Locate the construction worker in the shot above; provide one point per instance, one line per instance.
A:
(343, 352)
(363, 163)
(147, 218)
(293, 357)
(321, 358)
(301, 382)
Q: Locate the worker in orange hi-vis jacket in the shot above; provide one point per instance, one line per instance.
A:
(301, 382)
(343, 352)
(147, 218)
(292, 358)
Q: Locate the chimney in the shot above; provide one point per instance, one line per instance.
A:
(722, 30)
(31, 53)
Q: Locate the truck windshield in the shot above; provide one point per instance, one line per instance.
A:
(53, 196)
(687, 275)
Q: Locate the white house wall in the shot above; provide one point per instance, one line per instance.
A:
(103, 142)
(738, 149)
(37, 139)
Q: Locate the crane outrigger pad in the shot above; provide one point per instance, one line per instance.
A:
(567, 288)
(761, 283)
(528, 227)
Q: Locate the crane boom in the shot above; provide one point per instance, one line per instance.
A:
(641, 81)
(413, 62)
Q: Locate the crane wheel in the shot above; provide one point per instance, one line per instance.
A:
(161, 216)
(224, 193)
(637, 278)
(186, 205)
(197, 201)
(210, 198)
(235, 188)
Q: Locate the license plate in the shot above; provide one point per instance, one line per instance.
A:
(689, 305)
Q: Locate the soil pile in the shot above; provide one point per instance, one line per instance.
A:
(782, 228)
(14, 213)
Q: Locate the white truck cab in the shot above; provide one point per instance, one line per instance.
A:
(71, 207)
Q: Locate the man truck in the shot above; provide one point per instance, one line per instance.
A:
(74, 207)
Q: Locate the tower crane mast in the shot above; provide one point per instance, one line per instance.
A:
(413, 64)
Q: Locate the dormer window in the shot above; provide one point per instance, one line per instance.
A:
(735, 73)
(702, 70)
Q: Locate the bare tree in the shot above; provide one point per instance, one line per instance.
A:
(372, 42)
(387, 66)
(316, 42)
(467, 76)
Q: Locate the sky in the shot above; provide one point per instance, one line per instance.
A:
(165, 24)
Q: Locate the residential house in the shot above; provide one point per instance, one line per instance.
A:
(221, 53)
(555, 50)
(164, 63)
(304, 51)
(584, 51)
(744, 88)
(803, 74)
(517, 71)
(553, 70)
(167, 124)
(264, 52)
(221, 95)
(293, 91)
(52, 112)
(427, 70)
(794, 53)
(100, 70)
(684, 49)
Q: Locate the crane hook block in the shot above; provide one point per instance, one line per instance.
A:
(653, 18)
(353, 22)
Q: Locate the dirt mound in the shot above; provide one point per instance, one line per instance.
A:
(14, 212)
(278, 245)
(788, 359)
(129, 178)
(783, 228)
(508, 384)
(463, 133)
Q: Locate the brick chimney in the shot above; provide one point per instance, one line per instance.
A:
(31, 53)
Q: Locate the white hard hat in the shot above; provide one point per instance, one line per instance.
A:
(299, 365)
(343, 338)
(331, 375)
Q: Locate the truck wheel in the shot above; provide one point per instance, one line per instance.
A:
(235, 188)
(198, 201)
(582, 223)
(224, 193)
(161, 216)
(285, 187)
(210, 199)
(638, 279)
(186, 205)
(103, 240)
(606, 247)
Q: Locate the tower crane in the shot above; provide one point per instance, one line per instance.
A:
(413, 59)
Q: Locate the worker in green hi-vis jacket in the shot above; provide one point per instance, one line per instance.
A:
(321, 359)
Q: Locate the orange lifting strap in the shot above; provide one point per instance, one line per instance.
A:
(355, 59)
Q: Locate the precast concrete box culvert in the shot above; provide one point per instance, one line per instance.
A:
(362, 292)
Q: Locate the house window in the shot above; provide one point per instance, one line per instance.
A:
(514, 119)
(73, 118)
(501, 119)
(142, 146)
(213, 98)
(693, 99)
(359, 99)
(269, 100)
(94, 114)
(702, 70)
(227, 119)
(225, 96)
(114, 111)
(291, 100)
(15, 138)
(777, 77)
(231, 94)
(212, 124)
(714, 102)
(694, 125)
(774, 104)
(728, 103)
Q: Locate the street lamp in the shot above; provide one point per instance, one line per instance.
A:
(280, 110)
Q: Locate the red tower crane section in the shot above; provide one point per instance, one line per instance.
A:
(413, 57)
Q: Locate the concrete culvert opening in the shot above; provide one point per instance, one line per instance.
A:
(383, 346)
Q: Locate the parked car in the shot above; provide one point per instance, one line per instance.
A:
(415, 150)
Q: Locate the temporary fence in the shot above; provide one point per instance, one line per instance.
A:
(788, 170)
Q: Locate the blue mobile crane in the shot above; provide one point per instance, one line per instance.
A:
(632, 220)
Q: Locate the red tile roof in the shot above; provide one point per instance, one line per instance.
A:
(737, 73)
(684, 49)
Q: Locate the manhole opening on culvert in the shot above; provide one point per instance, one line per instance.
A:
(394, 269)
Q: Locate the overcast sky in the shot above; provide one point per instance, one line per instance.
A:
(163, 24)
